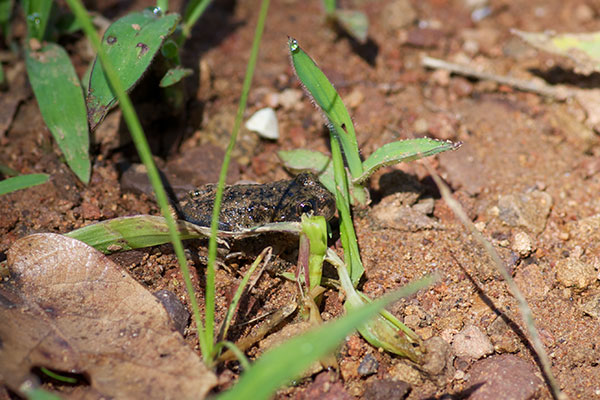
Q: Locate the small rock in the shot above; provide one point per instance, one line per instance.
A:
(397, 14)
(405, 372)
(392, 215)
(437, 356)
(264, 122)
(368, 366)
(354, 99)
(522, 244)
(530, 279)
(472, 343)
(349, 369)
(591, 306)
(503, 336)
(290, 99)
(385, 389)
(176, 310)
(529, 210)
(506, 374)
(571, 272)
(325, 387)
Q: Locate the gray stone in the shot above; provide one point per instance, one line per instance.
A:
(528, 210)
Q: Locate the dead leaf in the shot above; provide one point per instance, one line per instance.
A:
(69, 308)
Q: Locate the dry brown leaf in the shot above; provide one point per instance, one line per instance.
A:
(69, 308)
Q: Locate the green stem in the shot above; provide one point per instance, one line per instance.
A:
(143, 149)
(212, 244)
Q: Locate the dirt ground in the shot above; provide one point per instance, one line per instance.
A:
(527, 174)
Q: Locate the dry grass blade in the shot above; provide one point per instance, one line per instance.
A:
(516, 292)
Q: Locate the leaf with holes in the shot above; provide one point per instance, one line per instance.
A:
(131, 44)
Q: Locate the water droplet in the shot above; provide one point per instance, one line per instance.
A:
(293, 43)
(157, 11)
(35, 18)
(111, 40)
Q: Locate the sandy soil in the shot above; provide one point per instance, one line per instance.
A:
(527, 174)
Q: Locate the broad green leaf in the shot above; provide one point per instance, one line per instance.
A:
(5, 13)
(582, 48)
(403, 151)
(354, 22)
(321, 90)
(59, 95)
(301, 160)
(130, 43)
(174, 75)
(282, 364)
(21, 182)
(135, 232)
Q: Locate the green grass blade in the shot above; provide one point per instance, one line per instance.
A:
(282, 364)
(239, 291)
(403, 151)
(129, 233)
(5, 14)
(37, 14)
(130, 44)
(21, 182)
(143, 149)
(40, 394)
(193, 11)
(60, 98)
(212, 243)
(329, 6)
(325, 96)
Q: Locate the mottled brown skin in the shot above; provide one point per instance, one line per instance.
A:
(247, 206)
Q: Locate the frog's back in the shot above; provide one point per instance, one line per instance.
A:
(249, 205)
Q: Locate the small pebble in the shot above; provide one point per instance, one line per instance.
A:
(368, 366)
(522, 244)
(264, 122)
(505, 374)
(472, 343)
(571, 272)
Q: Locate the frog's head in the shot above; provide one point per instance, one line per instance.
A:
(305, 195)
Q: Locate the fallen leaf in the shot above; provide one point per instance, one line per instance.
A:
(67, 307)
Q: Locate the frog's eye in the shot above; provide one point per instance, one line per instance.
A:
(305, 207)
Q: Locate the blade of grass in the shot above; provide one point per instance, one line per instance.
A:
(143, 149)
(212, 244)
(281, 364)
(60, 97)
(240, 290)
(526, 313)
(318, 87)
(21, 182)
(127, 233)
(342, 196)
(193, 11)
(37, 14)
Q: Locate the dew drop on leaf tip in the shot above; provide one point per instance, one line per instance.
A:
(293, 43)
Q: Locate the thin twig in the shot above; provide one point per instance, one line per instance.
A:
(556, 92)
(526, 313)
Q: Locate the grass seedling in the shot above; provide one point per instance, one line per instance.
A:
(21, 182)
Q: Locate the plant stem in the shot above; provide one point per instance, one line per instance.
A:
(212, 244)
(143, 149)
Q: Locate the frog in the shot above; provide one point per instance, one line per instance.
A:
(246, 206)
